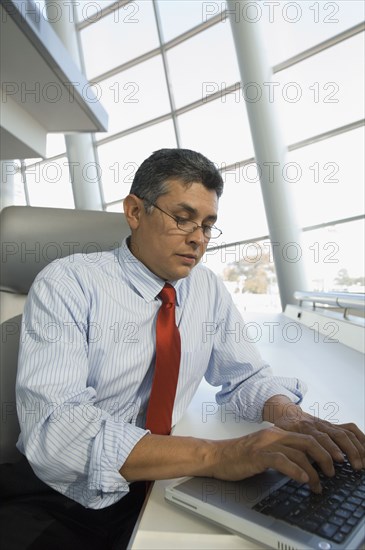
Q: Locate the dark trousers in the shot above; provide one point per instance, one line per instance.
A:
(33, 516)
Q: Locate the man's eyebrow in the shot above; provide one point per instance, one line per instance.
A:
(193, 211)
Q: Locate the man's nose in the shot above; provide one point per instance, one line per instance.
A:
(197, 236)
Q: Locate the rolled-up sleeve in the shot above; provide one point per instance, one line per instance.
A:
(72, 444)
(247, 380)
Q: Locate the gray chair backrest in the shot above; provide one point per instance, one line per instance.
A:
(31, 238)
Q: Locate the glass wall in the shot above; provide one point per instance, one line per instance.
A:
(167, 73)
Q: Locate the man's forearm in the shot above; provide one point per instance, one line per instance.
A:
(165, 457)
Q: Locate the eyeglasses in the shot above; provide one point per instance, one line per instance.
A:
(209, 231)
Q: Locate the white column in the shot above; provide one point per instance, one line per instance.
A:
(84, 171)
(270, 151)
(7, 190)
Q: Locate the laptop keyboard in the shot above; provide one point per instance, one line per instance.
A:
(332, 515)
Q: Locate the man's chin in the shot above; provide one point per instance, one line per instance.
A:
(182, 272)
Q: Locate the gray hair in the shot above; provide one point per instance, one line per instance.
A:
(152, 177)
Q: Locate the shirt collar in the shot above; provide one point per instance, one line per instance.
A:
(147, 284)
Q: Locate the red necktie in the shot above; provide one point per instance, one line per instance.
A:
(159, 411)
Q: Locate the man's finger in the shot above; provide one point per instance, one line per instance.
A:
(338, 440)
(300, 459)
(351, 427)
(309, 445)
(346, 437)
(277, 458)
(326, 440)
(351, 446)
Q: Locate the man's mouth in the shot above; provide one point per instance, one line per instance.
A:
(190, 258)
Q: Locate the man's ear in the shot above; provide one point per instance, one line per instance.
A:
(133, 208)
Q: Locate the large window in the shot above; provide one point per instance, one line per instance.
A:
(335, 257)
(48, 183)
(327, 178)
(179, 16)
(290, 28)
(45, 182)
(322, 92)
(120, 158)
(120, 36)
(219, 129)
(134, 96)
(203, 64)
(167, 73)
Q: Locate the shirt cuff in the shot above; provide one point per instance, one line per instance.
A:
(110, 450)
(249, 405)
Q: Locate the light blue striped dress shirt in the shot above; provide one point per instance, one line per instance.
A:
(86, 365)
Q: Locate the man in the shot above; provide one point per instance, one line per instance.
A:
(91, 386)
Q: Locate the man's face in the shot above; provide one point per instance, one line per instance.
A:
(167, 251)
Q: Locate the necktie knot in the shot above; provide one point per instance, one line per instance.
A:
(168, 295)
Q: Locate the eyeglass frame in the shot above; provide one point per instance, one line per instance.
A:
(178, 220)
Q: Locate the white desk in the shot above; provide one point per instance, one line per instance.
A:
(336, 384)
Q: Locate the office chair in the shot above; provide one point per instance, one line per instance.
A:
(32, 237)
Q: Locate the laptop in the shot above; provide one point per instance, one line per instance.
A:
(280, 513)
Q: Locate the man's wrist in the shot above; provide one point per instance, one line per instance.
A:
(280, 406)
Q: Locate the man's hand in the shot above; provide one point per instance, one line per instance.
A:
(337, 439)
(289, 453)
